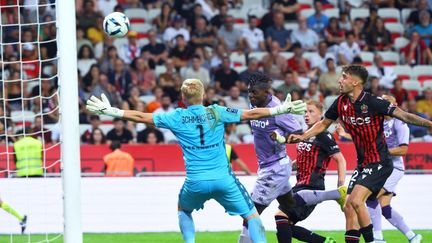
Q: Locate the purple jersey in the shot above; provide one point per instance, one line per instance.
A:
(397, 134)
(267, 150)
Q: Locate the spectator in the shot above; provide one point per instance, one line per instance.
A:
(225, 77)
(401, 95)
(163, 20)
(177, 28)
(386, 75)
(328, 81)
(348, 49)
(317, 21)
(344, 22)
(81, 38)
(13, 91)
(38, 131)
(130, 50)
(218, 20)
(133, 99)
(109, 59)
(305, 36)
(414, 17)
(312, 93)
(416, 131)
(211, 97)
(119, 133)
(156, 53)
(95, 122)
(88, 15)
(235, 100)
(120, 78)
(290, 84)
(91, 79)
(143, 76)
(371, 19)
(359, 34)
(181, 53)
(217, 56)
(150, 135)
(424, 28)
(28, 157)
(274, 63)
(200, 36)
(374, 87)
(96, 33)
(289, 8)
(197, 13)
(97, 137)
(232, 155)
(252, 37)
(30, 58)
(106, 6)
(166, 107)
(86, 59)
(253, 66)
(197, 71)
(156, 103)
(378, 37)
(333, 34)
(118, 163)
(319, 59)
(424, 105)
(294, 62)
(228, 35)
(416, 52)
(278, 33)
(169, 79)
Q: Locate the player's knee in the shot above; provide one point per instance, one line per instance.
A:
(386, 211)
(355, 203)
(372, 203)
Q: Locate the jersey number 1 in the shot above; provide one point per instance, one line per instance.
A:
(201, 130)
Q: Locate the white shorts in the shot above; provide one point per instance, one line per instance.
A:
(393, 180)
(272, 182)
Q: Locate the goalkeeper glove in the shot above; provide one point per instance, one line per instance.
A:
(103, 107)
(297, 107)
(276, 136)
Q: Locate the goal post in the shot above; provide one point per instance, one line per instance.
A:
(69, 122)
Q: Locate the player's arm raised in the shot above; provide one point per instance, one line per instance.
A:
(316, 129)
(411, 118)
(293, 107)
(103, 107)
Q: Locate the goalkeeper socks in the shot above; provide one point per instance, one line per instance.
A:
(244, 236)
(306, 235)
(6, 207)
(256, 230)
(375, 214)
(187, 226)
(283, 227)
(312, 197)
(367, 233)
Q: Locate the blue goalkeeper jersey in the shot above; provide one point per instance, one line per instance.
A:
(200, 131)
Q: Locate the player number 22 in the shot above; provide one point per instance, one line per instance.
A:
(201, 130)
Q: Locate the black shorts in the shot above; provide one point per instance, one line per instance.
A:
(373, 176)
(298, 213)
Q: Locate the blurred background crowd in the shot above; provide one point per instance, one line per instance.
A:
(300, 44)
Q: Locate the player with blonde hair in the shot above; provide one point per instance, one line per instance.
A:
(200, 132)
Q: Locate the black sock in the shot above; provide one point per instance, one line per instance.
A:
(352, 236)
(367, 233)
(306, 235)
(283, 228)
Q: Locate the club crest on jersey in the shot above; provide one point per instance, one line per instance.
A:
(364, 108)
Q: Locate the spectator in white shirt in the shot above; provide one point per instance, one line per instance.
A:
(348, 49)
(386, 75)
(305, 36)
(175, 30)
(252, 37)
(197, 71)
(235, 100)
(318, 59)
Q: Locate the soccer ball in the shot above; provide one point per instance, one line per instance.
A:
(116, 24)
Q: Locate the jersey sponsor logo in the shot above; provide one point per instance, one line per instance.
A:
(358, 121)
(231, 110)
(258, 123)
(367, 171)
(304, 146)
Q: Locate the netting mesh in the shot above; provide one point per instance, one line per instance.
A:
(29, 107)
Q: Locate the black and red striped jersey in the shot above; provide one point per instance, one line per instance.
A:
(313, 157)
(363, 120)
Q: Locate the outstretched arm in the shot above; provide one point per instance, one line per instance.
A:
(411, 118)
(316, 129)
(138, 116)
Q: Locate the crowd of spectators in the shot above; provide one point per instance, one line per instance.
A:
(201, 39)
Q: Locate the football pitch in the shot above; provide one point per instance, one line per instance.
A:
(205, 237)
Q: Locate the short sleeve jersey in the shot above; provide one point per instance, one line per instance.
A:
(363, 120)
(397, 134)
(200, 132)
(313, 158)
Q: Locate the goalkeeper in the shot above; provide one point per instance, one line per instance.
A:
(200, 131)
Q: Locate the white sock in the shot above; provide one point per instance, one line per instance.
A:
(244, 236)
(410, 234)
(378, 235)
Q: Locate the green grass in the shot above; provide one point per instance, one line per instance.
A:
(205, 237)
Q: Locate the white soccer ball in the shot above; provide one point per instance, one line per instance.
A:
(116, 24)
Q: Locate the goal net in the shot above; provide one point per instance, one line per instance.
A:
(31, 186)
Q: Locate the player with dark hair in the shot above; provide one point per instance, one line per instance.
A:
(274, 164)
(362, 114)
(313, 158)
(397, 137)
(200, 131)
